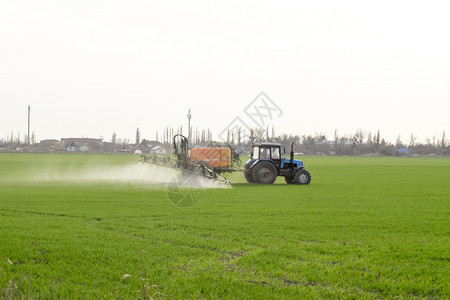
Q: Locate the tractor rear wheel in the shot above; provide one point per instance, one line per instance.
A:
(264, 172)
(302, 176)
(249, 176)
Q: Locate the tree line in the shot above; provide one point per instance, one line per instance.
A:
(361, 142)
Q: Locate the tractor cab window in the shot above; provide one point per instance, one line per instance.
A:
(264, 153)
(255, 153)
(275, 153)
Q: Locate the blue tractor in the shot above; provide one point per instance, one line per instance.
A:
(266, 163)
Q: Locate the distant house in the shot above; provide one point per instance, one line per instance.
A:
(158, 150)
(80, 141)
(48, 143)
(152, 147)
(84, 143)
(150, 144)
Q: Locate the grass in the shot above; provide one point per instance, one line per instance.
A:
(364, 228)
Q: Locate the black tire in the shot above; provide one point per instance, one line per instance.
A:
(264, 172)
(302, 177)
(249, 176)
(289, 180)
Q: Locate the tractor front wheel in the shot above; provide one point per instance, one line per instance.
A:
(302, 176)
(264, 172)
(249, 176)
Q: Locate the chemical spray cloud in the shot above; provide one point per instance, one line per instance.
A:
(132, 174)
(184, 191)
(258, 113)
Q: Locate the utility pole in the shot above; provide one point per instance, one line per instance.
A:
(189, 125)
(28, 137)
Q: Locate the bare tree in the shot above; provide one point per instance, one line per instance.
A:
(377, 141)
(435, 141)
(203, 137)
(336, 141)
(359, 136)
(239, 135)
(114, 138)
(398, 142)
(125, 142)
(443, 139)
(412, 140)
(138, 136)
(209, 136)
(369, 140)
(259, 134)
(251, 135)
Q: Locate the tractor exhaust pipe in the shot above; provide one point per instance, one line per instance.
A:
(292, 153)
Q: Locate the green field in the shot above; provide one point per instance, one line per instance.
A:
(364, 228)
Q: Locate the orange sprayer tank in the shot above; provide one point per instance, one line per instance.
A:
(215, 157)
(225, 157)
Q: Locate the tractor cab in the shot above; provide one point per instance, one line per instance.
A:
(266, 163)
(267, 151)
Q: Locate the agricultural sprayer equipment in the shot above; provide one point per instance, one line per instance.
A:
(207, 162)
(263, 167)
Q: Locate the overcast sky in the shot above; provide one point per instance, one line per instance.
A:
(88, 68)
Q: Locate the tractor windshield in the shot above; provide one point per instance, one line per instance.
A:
(275, 153)
(264, 153)
(255, 153)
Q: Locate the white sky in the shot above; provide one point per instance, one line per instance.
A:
(88, 68)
